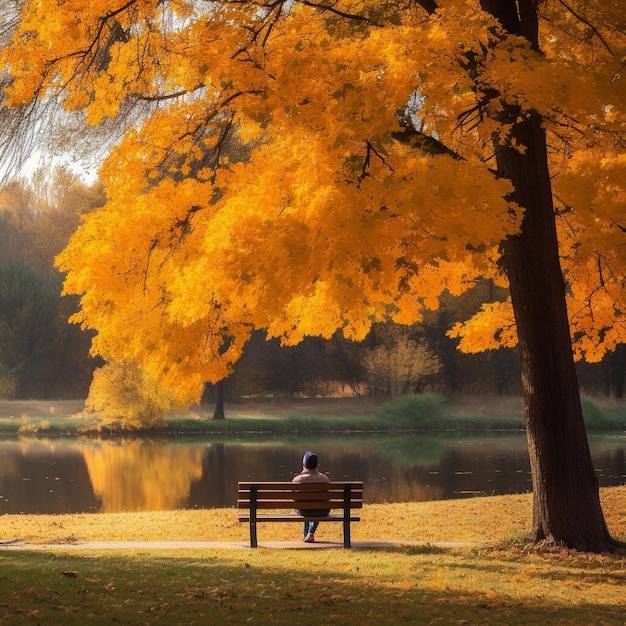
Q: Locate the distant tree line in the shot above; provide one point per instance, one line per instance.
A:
(41, 354)
(44, 356)
(318, 367)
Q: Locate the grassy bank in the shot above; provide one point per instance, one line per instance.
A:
(502, 580)
(293, 416)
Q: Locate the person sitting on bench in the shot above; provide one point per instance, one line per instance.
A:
(310, 474)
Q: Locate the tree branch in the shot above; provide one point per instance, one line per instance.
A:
(331, 8)
(409, 135)
(587, 23)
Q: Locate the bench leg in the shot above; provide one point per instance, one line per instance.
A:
(346, 517)
(346, 534)
(253, 539)
(253, 501)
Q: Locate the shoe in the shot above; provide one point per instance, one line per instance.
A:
(309, 538)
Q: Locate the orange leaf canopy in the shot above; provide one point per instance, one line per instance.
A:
(305, 167)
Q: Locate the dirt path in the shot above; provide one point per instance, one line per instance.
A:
(16, 544)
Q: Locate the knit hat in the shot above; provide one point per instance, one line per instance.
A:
(309, 460)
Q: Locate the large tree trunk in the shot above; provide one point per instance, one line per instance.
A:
(565, 488)
(566, 503)
(566, 497)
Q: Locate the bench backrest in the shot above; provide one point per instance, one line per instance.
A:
(282, 495)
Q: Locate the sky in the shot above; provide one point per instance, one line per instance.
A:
(88, 174)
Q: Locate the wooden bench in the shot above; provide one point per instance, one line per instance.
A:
(275, 496)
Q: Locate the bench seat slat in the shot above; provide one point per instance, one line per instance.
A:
(264, 517)
(300, 494)
(300, 504)
(279, 486)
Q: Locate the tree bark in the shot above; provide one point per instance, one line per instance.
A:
(617, 369)
(218, 413)
(566, 501)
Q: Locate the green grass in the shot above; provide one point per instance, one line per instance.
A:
(413, 413)
(390, 586)
(597, 418)
(40, 426)
(293, 424)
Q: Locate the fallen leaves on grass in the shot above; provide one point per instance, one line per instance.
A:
(483, 520)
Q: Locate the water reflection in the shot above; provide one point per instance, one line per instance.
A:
(142, 475)
(44, 478)
(62, 476)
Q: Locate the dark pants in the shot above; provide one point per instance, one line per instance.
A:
(311, 527)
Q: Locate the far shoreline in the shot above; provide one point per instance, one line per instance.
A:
(277, 415)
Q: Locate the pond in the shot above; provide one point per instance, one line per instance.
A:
(74, 476)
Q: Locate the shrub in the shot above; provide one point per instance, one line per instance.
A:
(32, 429)
(124, 396)
(414, 410)
(399, 365)
(593, 415)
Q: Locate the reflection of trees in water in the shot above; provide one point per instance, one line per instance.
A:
(140, 475)
(9, 461)
(209, 490)
(35, 478)
(394, 469)
(152, 476)
(610, 463)
(413, 449)
(225, 465)
(485, 469)
(57, 476)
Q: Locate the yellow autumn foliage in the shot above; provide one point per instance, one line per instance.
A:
(308, 168)
(121, 392)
